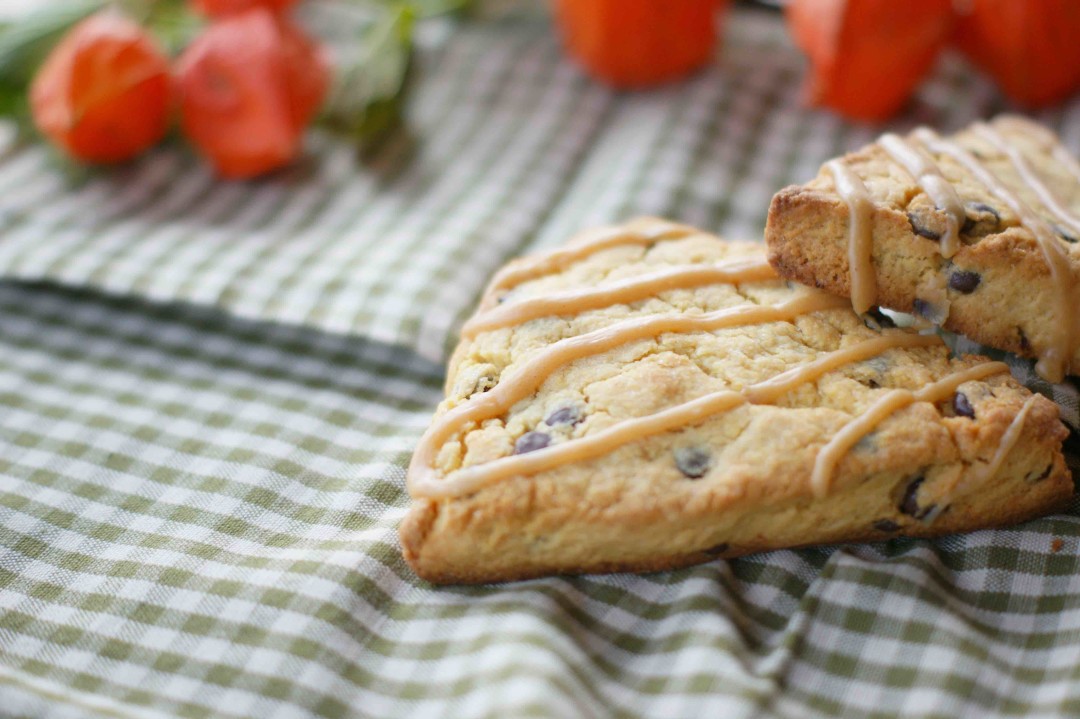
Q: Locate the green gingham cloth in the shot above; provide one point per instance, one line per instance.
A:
(209, 393)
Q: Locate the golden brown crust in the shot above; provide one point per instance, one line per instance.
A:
(635, 510)
(1009, 505)
(1049, 500)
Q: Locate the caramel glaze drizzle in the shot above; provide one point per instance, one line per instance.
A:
(860, 242)
(623, 292)
(1005, 445)
(423, 480)
(525, 380)
(929, 177)
(1047, 138)
(642, 231)
(1024, 169)
(1054, 362)
(831, 454)
(1062, 155)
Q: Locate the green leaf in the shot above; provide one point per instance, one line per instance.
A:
(432, 8)
(372, 59)
(422, 9)
(15, 107)
(172, 22)
(25, 42)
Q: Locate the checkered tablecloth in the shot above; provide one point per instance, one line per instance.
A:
(208, 394)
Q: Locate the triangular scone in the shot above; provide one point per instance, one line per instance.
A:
(651, 396)
(976, 232)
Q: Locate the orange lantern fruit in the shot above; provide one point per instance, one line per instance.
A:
(637, 43)
(221, 8)
(104, 93)
(248, 86)
(867, 56)
(1029, 48)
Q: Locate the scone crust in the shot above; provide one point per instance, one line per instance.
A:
(489, 536)
(633, 510)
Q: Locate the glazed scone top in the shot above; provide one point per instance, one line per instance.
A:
(1008, 177)
(550, 374)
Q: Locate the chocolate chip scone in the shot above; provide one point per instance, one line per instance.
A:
(977, 233)
(652, 396)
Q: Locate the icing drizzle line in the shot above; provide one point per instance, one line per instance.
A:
(423, 479)
(424, 482)
(1067, 160)
(1054, 361)
(860, 242)
(1024, 169)
(538, 368)
(624, 292)
(642, 231)
(928, 176)
(862, 425)
(1005, 445)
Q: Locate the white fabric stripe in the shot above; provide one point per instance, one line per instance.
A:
(78, 701)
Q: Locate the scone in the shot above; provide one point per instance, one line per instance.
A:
(652, 396)
(977, 233)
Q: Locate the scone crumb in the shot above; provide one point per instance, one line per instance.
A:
(1057, 544)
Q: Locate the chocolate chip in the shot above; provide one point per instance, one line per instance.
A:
(964, 281)
(962, 405)
(928, 310)
(875, 319)
(921, 229)
(530, 442)
(485, 384)
(692, 462)
(1025, 344)
(886, 525)
(718, 549)
(909, 505)
(564, 415)
(981, 219)
(984, 208)
(1065, 235)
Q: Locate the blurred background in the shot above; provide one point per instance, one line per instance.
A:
(237, 238)
(437, 139)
